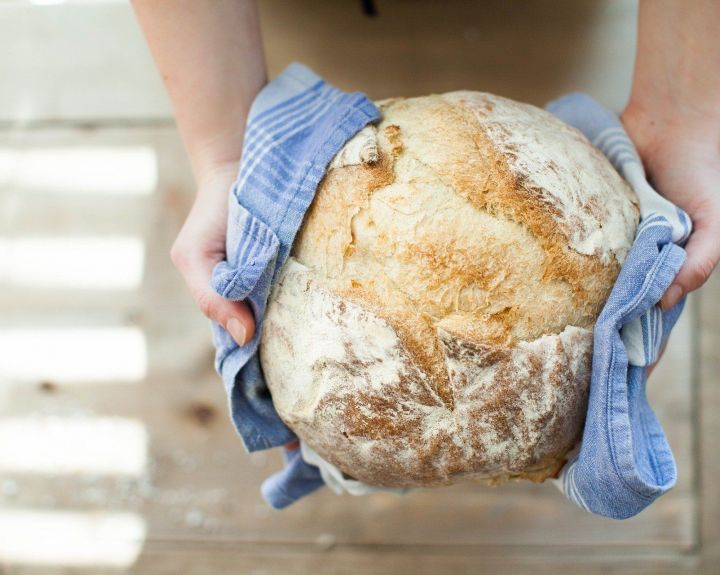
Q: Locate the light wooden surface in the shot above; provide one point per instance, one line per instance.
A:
(194, 497)
(707, 407)
(199, 493)
(532, 51)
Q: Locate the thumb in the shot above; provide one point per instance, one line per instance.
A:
(703, 253)
(235, 316)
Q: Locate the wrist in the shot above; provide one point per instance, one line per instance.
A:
(674, 114)
(216, 149)
(211, 158)
(211, 176)
(654, 125)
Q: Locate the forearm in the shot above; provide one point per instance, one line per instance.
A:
(210, 58)
(676, 83)
(673, 118)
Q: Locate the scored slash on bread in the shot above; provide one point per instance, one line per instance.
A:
(434, 320)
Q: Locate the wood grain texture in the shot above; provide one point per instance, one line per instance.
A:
(530, 51)
(198, 496)
(200, 490)
(709, 424)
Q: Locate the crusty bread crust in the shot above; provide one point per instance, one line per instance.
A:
(434, 320)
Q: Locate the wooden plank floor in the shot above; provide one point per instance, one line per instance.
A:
(131, 464)
(198, 490)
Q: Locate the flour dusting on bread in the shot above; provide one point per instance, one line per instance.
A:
(434, 319)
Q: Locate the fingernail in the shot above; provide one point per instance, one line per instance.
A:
(671, 297)
(237, 330)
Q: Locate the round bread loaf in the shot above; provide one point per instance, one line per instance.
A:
(434, 319)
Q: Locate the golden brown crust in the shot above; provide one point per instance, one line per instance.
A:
(472, 263)
(343, 380)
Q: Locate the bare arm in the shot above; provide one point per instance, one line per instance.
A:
(210, 57)
(673, 116)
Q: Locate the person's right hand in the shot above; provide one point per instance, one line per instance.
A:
(201, 244)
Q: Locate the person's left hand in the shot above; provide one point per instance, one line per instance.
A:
(682, 161)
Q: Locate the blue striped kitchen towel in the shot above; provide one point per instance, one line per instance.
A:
(624, 462)
(295, 126)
